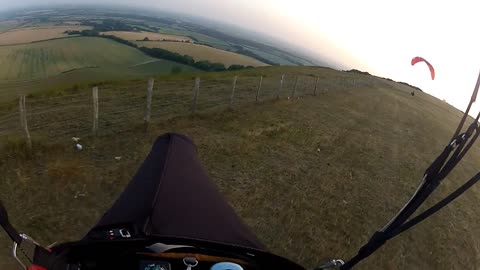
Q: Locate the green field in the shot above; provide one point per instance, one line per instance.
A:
(270, 56)
(62, 63)
(86, 76)
(313, 177)
(49, 58)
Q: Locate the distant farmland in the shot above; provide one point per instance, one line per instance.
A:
(27, 35)
(47, 58)
(150, 35)
(202, 52)
(7, 25)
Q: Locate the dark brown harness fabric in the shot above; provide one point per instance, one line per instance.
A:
(171, 195)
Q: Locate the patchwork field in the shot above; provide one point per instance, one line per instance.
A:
(42, 59)
(27, 35)
(202, 52)
(217, 43)
(150, 35)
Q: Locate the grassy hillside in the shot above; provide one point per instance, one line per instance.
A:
(314, 177)
(52, 57)
(202, 52)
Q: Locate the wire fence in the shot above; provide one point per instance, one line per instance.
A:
(120, 108)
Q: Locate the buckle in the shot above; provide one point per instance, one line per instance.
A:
(27, 242)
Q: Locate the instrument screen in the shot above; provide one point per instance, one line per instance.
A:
(154, 265)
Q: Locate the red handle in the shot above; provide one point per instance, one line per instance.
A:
(36, 267)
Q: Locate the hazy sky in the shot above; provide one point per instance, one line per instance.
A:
(377, 36)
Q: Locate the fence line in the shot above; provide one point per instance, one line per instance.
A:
(23, 120)
(232, 96)
(130, 98)
(196, 91)
(148, 103)
(281, 86)
(124, 111)
(110, 108)
(259, 88)
(8, 120)
(95, 110)
(40, 112)
(9, 116)
(173, 102)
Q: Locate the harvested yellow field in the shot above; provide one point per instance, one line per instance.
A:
(150, 35)
(202, 52)
(28, 35)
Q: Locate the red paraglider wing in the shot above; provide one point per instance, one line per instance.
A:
(420, 59)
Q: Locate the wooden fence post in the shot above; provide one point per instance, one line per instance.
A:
(23, 120)
(232, 96)
(295, 87)
(315, 89)
(281, 86)
(196, 92)
(258, 89)
(95, 110)
(148, 105)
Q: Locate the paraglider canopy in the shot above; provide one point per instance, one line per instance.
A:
(421, 59)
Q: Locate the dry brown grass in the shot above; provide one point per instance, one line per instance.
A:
(141, 35)
(27, 35)
(202, 52)
(313, 178)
